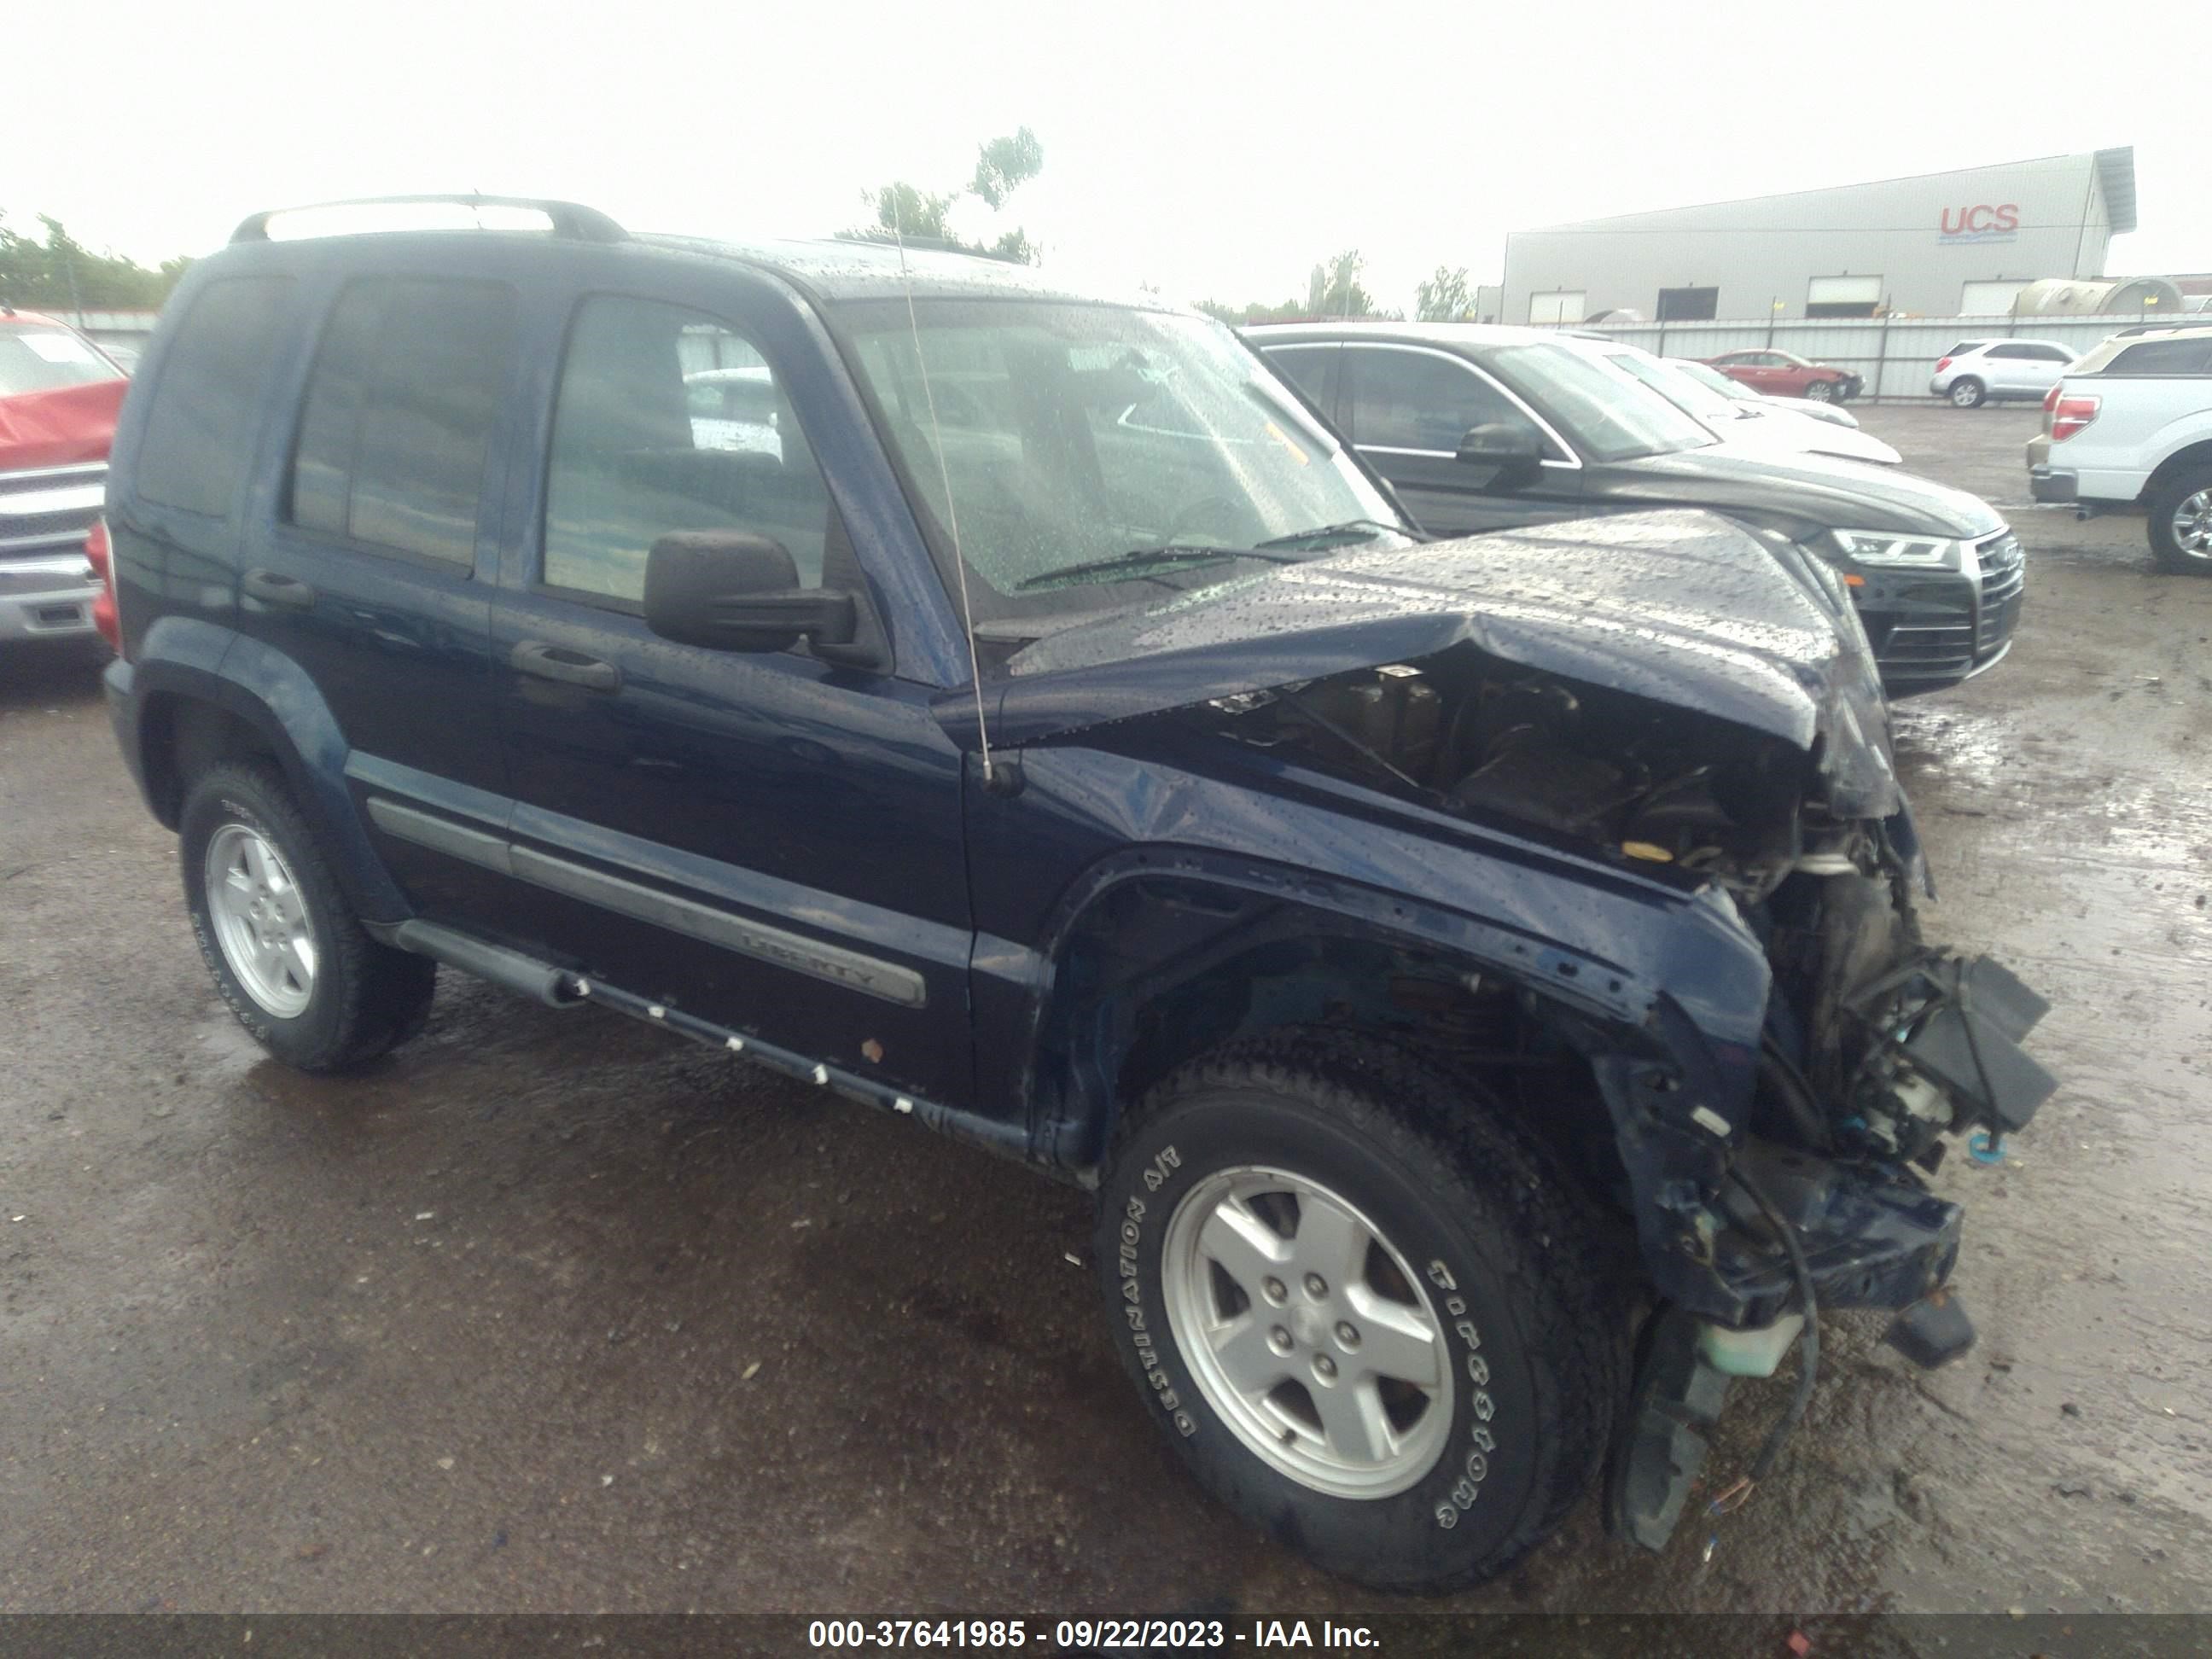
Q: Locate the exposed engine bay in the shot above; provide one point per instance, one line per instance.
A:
(1875, 1047)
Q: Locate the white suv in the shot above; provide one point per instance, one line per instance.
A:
(2131, 425)
(1975, 372)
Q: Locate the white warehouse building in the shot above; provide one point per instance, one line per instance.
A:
(1938, 244)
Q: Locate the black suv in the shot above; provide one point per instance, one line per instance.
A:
(1478, 426)
(1439, 957)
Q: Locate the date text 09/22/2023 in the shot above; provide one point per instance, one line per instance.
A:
(1088, 1635)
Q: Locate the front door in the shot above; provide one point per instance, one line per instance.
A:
(1408, 407)
(769, 841)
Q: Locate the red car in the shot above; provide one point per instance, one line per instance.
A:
(58, 398)
(1785, 375)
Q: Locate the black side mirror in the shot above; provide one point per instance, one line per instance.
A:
(1507, 446)
(730, 590)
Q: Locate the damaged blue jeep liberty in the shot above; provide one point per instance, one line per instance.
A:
(1478, 978)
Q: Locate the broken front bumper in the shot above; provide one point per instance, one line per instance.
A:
(1861, 1231)
(1872, 1233)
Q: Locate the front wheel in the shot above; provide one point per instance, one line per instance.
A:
(1967, 393)
(1372, 1318)
(286, 950)
(1821, 392)
(2181, 522)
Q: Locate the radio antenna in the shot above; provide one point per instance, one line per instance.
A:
(951, 510)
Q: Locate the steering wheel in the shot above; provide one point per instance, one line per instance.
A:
(1221, 510)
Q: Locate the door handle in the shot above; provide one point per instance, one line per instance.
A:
(547, 661)
(272, 588)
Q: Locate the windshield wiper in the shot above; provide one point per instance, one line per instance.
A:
(1363, 529)
(1138, 559)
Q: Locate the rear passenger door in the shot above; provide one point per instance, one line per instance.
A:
(1408, 407)
(770, 842)
(372, 566)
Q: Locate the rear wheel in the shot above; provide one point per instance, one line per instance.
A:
(2181, 522)
(1967, 393)
(286, 950)
(1373, 1320)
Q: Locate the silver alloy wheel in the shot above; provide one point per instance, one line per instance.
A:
(1307, 1331)
(1964, 394)
(1820, 390)
(2192, 525)
(260, 921)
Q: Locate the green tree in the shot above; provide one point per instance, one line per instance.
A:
(905, 211)
(60, 273)
(1333, 289)
(1445, 297)
(1004, 165)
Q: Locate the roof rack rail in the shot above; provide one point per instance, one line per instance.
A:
(570, 220)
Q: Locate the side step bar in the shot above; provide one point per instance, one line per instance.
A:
(560, 987)
(555, 987)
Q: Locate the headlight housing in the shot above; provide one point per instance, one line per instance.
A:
(1890, 551)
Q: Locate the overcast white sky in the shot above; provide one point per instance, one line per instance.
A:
(1215, 151)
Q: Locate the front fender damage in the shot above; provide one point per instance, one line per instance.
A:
(1692, 749)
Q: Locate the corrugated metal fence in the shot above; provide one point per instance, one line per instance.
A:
(1894, 356)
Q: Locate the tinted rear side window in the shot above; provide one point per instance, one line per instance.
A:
(2165, 357)
(1412, 400)
(396, 431)
(207, 407)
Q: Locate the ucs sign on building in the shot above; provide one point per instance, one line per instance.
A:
(1939, 245)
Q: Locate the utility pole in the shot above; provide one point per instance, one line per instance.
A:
(76, 300)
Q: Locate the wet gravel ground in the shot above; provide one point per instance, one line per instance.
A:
(552, 1312)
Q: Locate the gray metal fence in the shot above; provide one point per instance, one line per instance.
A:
(1894, 356)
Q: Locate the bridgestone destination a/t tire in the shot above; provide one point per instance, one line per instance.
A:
(1505, 1260)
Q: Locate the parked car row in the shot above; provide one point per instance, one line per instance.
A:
(1785, 375)
(1478, 975)
(1972, 373)
(1818, 408)
(2129, 426)
(58, 398)
(1975, 372)
(1482, 427)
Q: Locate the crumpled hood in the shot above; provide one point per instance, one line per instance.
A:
(60, 428)
(1815, 491)
(1684, 608)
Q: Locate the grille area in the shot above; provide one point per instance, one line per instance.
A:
(1938, 643)
(2004, 578)
(1929, 649)
(48, 511)
(1952, 627)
